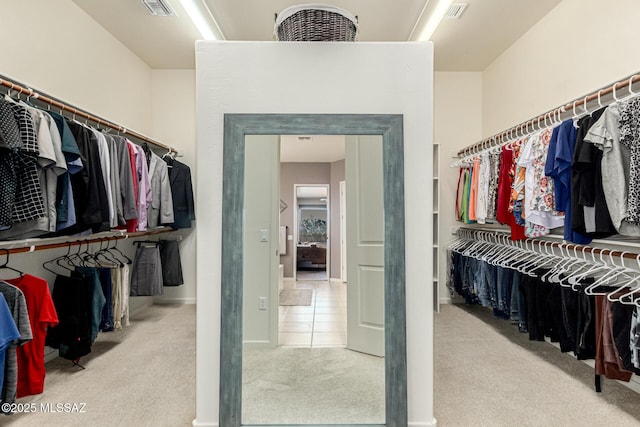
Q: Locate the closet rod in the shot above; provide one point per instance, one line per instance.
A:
(479, 234)
(66, 244)
(523, 127)
(40, 96)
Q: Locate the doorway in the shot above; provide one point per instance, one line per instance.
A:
(312, 225)
(311, 168)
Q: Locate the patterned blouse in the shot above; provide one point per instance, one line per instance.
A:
(630, 137)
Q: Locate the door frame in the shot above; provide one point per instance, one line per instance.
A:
(390, 127)
(343, 230)
(327, 266)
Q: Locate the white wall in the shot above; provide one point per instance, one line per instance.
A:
(74, 59)
(173, 119)
(253, 77)
(457, 120)
(56, 47)
(580, 46)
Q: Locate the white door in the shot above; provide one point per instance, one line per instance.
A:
(365, 244)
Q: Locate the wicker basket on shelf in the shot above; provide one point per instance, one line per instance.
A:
(316, 23)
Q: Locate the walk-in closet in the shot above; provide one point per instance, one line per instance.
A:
(387, 213)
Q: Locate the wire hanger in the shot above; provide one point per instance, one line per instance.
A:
(6, 264)
(53, 261)
(115, 248)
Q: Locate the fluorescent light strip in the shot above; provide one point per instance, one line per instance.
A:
(198, 19)
(434, 19)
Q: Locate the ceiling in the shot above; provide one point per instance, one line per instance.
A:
(486, 28)
(319, 148)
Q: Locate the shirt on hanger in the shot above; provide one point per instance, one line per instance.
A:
(8, 333)
(503, 214)
(494, 176)
(539, 190)
(630, 137)
(42, 314)
(605, 135)
(18, 306)
(558, 167)
(473, 189)
(590, 214)
(483, 189)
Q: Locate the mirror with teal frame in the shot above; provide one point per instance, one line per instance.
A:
(236, 127)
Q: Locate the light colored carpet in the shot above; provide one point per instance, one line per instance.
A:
(296, 296)
(312, 386)
(488, 374)
(142, 376)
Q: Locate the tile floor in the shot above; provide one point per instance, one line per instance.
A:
(321, 324)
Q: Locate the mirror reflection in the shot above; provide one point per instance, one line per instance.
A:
(313, 341)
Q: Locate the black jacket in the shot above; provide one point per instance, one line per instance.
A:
(182, 193)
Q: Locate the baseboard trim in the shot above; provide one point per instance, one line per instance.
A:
(334, 280)
(174, 301)
(433, 423)
(288, 279)
(195, 423)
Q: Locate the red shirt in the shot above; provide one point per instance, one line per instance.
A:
(504, 195)
(42, 314)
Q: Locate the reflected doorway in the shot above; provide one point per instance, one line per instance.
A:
(312, 226)
(295, 380)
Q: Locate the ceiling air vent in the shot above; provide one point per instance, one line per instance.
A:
(455, 11)
(159, 7)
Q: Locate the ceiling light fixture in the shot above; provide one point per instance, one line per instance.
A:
(432, 13)
(434, 20)
(198, 13)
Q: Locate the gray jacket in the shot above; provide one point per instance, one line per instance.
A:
(161, 209)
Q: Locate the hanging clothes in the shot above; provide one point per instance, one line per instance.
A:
(146, 275)
(483, 188)
(503, 212)
(89, 192)
(29, 204)
(539, 190)
(608, 361)
(18, 307)
(8, 334)
(473, 189)
(126, 199)
(492, 192)
(630, 138)
(590, 214)
(42, 315)
(144, 187)
(171, 263)
(616, 157)
(459, 194)
(72, 297)
(160, 210)
(97, 297)
(10, 143)
(558, 167)
(182, 193)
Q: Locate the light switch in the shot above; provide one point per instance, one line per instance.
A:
(264, 235)
(290, 237)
